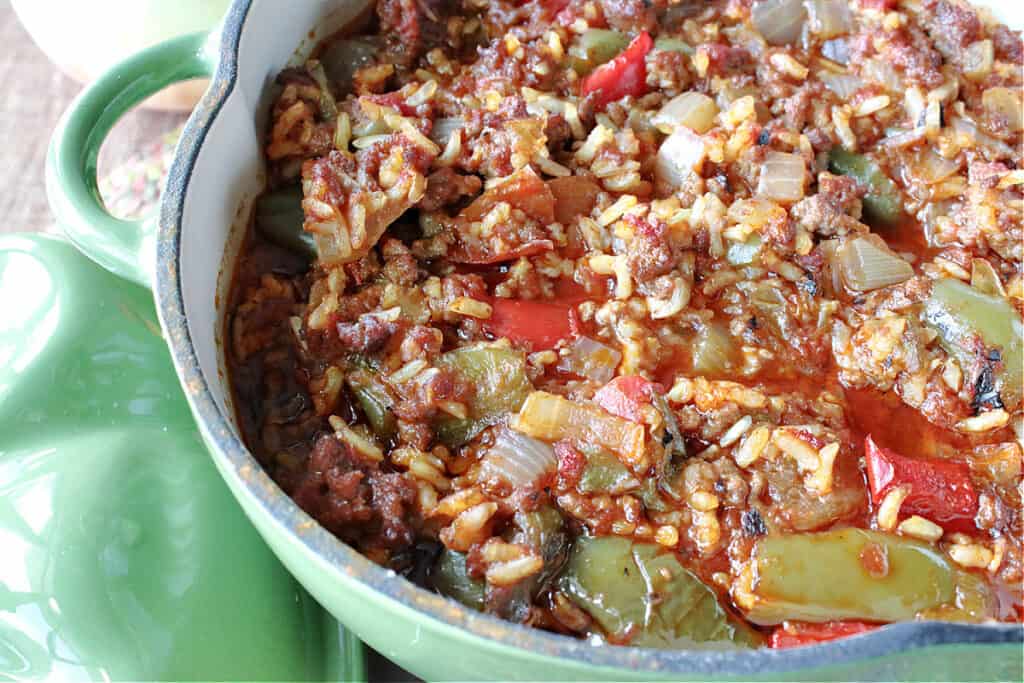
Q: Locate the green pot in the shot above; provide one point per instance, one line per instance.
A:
(187, 255)
(124, 557)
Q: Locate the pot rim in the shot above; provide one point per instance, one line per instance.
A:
(348, 563)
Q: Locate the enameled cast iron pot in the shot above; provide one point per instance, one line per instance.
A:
(187, 255)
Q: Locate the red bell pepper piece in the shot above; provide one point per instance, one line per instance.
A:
(624, 75)
(940, 490)
(538, 325)
(571, 464)
(626, 397)
(798, 633)
(879, 5)
(553, 7)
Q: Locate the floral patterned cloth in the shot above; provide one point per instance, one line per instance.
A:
(132, 190)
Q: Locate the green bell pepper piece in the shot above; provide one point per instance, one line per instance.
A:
(498, 376)
(451, 578)
(882, 203)
(838, 574)
(375, 403)
(962, 316)
(669, 44)
(597, 46)
(279, 218)
(603, 472)
(544, 531)
(974, 602)
(650, 497)
(638, 589)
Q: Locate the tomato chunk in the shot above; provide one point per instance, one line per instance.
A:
(798, 633)
(538, 325)
(626, 397)
(940, 490)
(624, 75)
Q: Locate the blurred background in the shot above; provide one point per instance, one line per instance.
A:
(43, 65)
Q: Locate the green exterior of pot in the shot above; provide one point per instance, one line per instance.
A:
(123, 555)
(425, 633)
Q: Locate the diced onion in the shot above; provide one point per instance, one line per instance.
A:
(1005, 102)
(977, 60)
(443, 129)
(591, 359)
(898, 138)
(780, 21)
(744, 253)
(518, 459)
(680, 154)
(985, 279)
(882, 73)
(932, 168)
(552, 418)
(691, 109)
(837, 49)
(782, 177)
(970, 129)
(829, 18)
(867, 265)
(843, 85)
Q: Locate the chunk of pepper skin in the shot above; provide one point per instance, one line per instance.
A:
(822, 577)
(624, 75)
(940, 490)
(626, 396)
(537, 325)
(882, 203)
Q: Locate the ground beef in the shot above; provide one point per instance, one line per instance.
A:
(650, 252)
(911, 51)
(445, 187)
(669, 70)
(985, 174)
(725, 59)
(422, 398)
(630, 16)
(1007, 44)
(400, 266)
(558, 132)
(790, 506)
(798, 106)
(367, 335)
(834, 209)
(412, 27)
(351, 497)
(952, 26)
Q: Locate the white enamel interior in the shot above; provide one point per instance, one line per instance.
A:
(229, 170)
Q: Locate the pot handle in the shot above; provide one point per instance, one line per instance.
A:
(124, 247)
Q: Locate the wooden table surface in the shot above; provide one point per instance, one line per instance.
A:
(35, 96)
